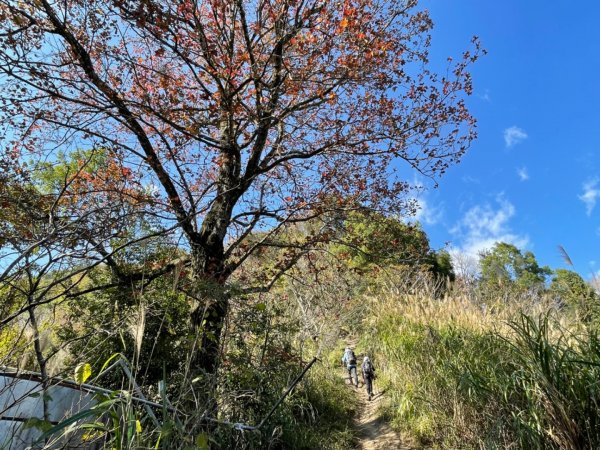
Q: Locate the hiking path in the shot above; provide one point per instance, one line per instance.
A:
(373, 432)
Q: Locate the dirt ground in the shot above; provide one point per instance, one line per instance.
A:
(373, 432)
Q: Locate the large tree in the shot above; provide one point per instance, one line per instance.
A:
(367, 239)
(219, 118)
(504, 265)
(568, 287)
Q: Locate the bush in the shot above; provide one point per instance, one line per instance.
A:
(261, 363)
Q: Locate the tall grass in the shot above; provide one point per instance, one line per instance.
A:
(555, 384)
(463, 375)
(320, 413)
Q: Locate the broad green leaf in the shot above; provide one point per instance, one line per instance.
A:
(82, 373)
(109, 360)
(65, 424)
(97, 426)
(202, 441)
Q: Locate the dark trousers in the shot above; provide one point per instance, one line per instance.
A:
(369, 383)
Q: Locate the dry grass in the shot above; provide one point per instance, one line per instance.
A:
(461, 372)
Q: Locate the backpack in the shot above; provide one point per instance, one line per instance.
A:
(351, 358)
(368, 368)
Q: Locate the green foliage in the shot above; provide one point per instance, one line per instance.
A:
(82, 372)
(113, 422)
(369, 238)
(506, 265)
(11, 346)
(550, 387)
(421, 369)
(39, 424)
(261, 362)
(442, 265)
(323, 411)
(571, 289)
(23, 213)
(151, 328)
(51, 177)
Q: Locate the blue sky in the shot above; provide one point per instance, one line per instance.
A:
(533, 176)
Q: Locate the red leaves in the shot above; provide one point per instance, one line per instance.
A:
(313, 105)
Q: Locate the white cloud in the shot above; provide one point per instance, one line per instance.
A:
(485, 96)
(483, 225)
(470, 179)
(514, 135)
(590, 195)
(523, 174)
(427, 213)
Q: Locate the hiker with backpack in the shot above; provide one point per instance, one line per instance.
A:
(368, 373)
(349, 360)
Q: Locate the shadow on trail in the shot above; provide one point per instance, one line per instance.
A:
(378, 395)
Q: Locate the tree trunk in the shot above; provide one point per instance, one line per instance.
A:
(208, 261)
(209, 353)
(209, 317)
(41, 360)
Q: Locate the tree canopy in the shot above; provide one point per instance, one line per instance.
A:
(219, 118)
(506, 265)
(570, 288)
(369, 238)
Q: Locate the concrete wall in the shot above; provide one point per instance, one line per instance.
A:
(21, 399)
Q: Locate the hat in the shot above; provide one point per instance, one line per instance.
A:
(366, 359)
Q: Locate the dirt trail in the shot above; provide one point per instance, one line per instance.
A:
(373, 432)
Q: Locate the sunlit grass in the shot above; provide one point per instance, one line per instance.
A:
(463, 374)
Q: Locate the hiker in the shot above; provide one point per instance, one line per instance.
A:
(368, 373)
(349, 360)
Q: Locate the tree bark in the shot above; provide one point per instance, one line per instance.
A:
(208, 257)
(41, 360)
